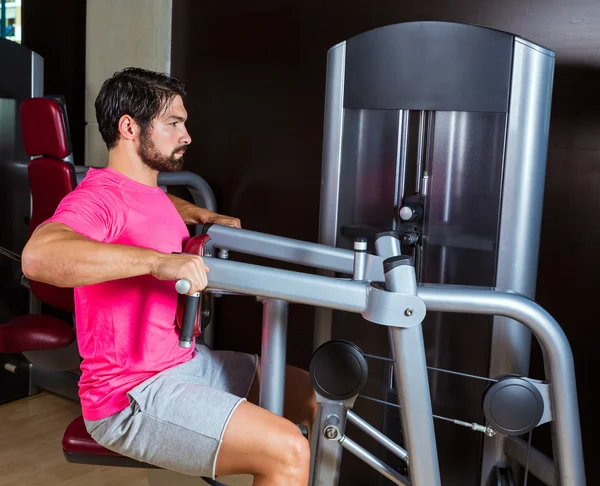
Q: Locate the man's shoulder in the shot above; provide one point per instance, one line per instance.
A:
(99, 182)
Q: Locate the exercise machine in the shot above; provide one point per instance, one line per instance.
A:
(438, 131)
(383, 290)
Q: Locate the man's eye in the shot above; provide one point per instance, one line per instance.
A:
(174, 123)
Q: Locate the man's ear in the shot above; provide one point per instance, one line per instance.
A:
(128, 128)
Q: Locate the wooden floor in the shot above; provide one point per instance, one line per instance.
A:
(31, 432)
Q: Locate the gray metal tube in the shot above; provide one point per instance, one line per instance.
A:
(558, 358)
(332, 144)
(322, 327)
(421, 149)
(540, 465)
(326, 455)
(204, 198)
(80, 172)
(360, 259)
(295, 251)
(367, 428)
(331, 170)
(388, 246)
(401, 158)
(272, 367)
(374, 462)
(412, 382)
(300, 288)
(521, 200)
(414, 396)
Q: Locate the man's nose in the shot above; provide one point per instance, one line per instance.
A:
(185, 138)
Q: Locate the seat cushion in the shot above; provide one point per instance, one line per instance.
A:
(80, 448)
(77, 440)
(33, 332)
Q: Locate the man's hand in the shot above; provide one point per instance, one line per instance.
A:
(192, 214)
(178, 266)
(224, 220)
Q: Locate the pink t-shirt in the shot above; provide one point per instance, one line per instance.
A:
(125, 328)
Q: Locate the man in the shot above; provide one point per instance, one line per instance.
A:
(113, 239)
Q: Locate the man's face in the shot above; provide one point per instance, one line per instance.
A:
(163, 144)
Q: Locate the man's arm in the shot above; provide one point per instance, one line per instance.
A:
(57, 255)
(192, 214)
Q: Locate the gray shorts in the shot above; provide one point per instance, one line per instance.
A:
(176, 419)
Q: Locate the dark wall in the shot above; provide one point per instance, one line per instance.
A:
(56, 31)
(256, 76)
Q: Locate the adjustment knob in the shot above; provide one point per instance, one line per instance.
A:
(410, 212)
(406, 212)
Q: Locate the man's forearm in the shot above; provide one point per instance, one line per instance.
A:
(66, 259)
(190, 213)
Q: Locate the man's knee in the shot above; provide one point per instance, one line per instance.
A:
(294, 452)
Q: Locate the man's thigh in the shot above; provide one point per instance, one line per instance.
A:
(176, 420)
(171, 424)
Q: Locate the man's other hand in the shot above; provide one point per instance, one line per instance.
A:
(225, 221)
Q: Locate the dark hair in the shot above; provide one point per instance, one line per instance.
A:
(136, 92)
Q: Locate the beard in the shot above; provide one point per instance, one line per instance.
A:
(153, 158)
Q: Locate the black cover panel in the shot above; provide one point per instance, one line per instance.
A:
(437, 66)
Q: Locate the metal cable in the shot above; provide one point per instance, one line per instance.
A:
(479, 428)
(7, 253)
(466, 375)
(527, 459)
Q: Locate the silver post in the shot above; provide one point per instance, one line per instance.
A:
(412, 381)
(367, 428)
(326, 453)
(387, 244)
(374, 462)
(272, 367)
(360, 258)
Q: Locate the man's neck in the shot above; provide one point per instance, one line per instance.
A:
(131, 165)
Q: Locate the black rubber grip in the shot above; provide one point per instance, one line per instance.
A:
(190, 311)
(205, 228)
(392, 262)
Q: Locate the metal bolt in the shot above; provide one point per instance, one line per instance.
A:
(408, 312)
(490, 432)
(11, 367)
(331, 432)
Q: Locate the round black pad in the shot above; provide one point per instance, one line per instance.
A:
(338, 370)
(513, 406)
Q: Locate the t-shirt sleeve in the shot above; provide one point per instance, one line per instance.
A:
(99, 214)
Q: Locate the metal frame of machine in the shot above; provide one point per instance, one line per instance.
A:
(387, 295)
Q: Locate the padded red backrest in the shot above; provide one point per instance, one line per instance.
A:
(44, 128)
(50, 179)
